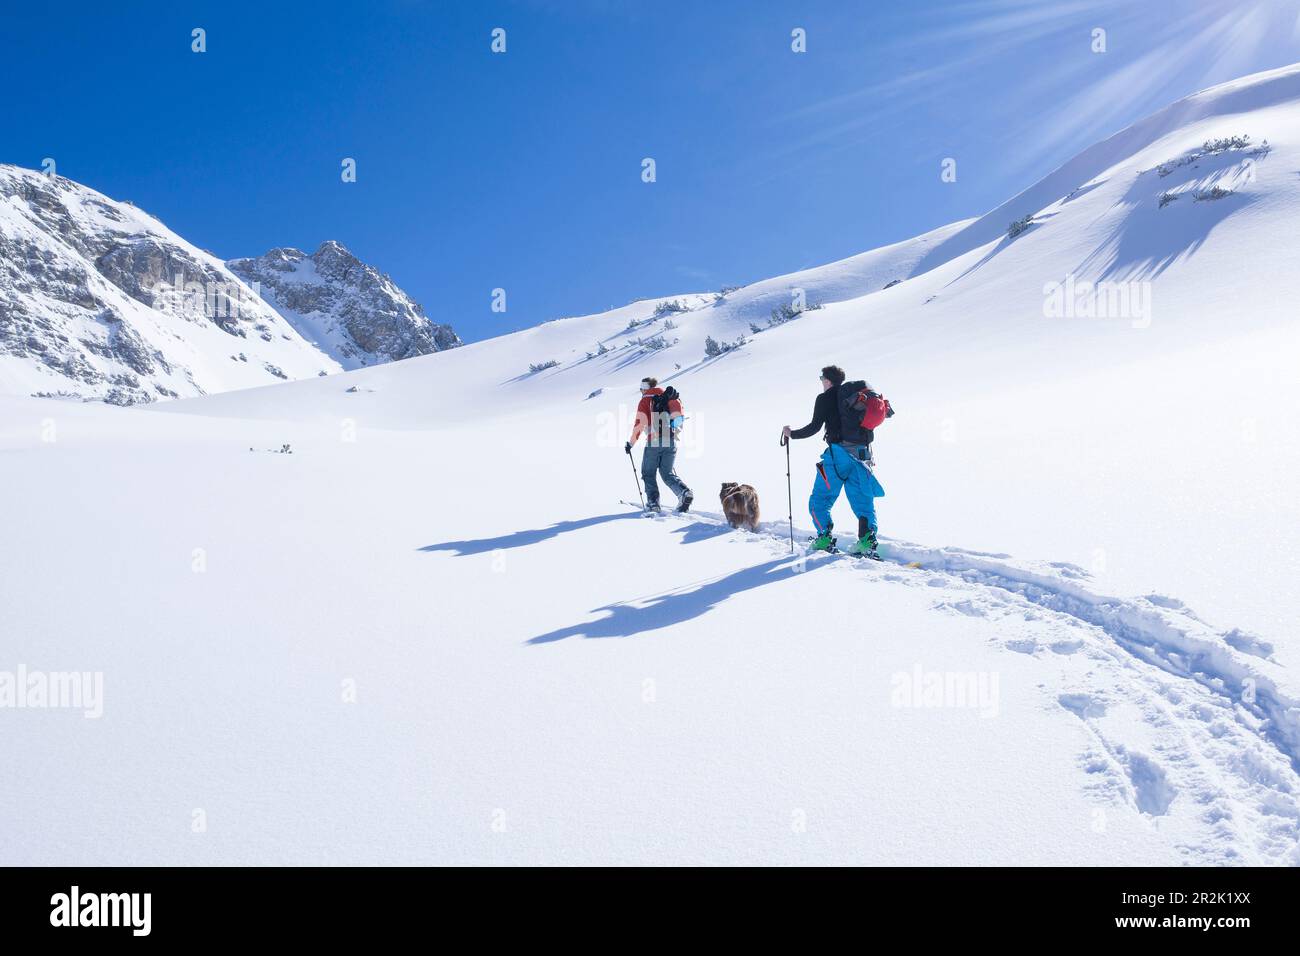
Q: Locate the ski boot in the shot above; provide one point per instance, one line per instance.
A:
(823, 542)
(684, 505)
(653, 508)
(865, 546)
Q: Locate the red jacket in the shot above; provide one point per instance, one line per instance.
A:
(645, 412)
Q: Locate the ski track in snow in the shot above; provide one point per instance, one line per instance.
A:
(1222, 743)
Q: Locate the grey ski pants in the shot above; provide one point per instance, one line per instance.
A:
(661, 459)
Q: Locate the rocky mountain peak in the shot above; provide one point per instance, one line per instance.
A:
(335, 261)
(347, 308)
(99, 300)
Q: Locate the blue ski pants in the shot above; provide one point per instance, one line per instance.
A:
(840, 469)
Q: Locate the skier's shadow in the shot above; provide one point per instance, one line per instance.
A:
(701, 531)
(520, 539)
(627, 619)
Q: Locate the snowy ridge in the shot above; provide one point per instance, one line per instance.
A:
(1094, 165)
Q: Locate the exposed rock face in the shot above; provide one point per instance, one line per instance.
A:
(351, 311)
(99, 300)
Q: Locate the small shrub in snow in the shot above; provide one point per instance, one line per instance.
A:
(1212, 147)
(713, 348)
(669, 325)
(755, 327)
(534, 368)
(784, 313)
(670, 307)
(892, 282)
(1166, 199)
(1216, 192)
(601, 349)
(1019, 226)
(652, 344)
(1224, 143)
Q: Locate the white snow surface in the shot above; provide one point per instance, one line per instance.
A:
(433, 633)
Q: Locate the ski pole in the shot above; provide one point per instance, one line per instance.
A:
(635, 478)
(789, 495)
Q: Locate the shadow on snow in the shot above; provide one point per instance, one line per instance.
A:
(521, 539)
(628, 618)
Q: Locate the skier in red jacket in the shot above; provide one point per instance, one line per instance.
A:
(659, 416)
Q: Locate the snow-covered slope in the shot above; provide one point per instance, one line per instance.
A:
(1146, 436)
(99, 300)
(352, 312)
(432, 633)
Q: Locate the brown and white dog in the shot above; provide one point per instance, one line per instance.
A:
(740, 505)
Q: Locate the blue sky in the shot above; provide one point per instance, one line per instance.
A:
(523, 170)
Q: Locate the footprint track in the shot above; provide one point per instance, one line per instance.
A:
(1213, 747)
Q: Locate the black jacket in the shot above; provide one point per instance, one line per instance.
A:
(826, 412)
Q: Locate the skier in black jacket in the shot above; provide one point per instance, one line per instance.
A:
(846, 464)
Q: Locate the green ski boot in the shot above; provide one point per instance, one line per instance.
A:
(865, 546)
(823, 542)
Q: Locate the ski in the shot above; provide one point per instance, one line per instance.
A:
(711, 518)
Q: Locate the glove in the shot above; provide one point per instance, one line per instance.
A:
(627, 449)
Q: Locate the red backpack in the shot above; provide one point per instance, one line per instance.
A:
(875, 409)
(861, 410)
(864, 407)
